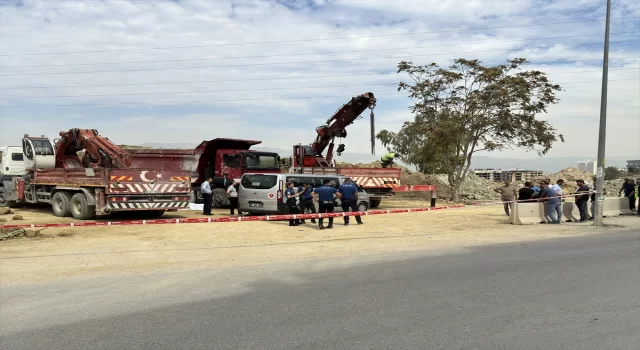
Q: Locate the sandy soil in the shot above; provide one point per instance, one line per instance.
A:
(87, 251)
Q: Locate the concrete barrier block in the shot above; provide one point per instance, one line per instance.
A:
(536, 213)
(570, 212)
(527, 214)
(616, 206)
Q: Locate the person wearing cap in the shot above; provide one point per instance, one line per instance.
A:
(291, 201)
(325, 195)
(349, 198)
(232, 192)
(306, 200)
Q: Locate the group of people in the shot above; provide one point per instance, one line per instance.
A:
(207, 196)
(553, 195)
(326, 196)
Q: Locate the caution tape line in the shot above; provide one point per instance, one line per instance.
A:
(230, 218)
(265, 217)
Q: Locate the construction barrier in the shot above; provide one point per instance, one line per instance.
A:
(615, 207)
(525, 213)
(228, 218)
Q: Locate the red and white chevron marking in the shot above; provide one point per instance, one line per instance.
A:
(147, 188)
(369, 181)
(147, 205)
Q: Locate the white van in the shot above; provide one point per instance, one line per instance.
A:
(263, 193)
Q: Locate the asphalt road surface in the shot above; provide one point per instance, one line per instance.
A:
(579, 293)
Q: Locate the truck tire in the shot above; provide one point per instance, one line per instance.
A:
(220, 198)
(80, 210)
(3, 198)
(362, 206)
(375, 203)
(154, 213)
(61, 203)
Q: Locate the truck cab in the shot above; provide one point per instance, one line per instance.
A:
(11, 161)
(223, 160)
(11, 166)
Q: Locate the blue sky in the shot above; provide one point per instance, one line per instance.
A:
(274, 70)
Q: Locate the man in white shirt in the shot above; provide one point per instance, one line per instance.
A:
(232, 192)
(557, 187)
(205, 190)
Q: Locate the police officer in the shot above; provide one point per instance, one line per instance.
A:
(306, 200)
(291, 196)
(325, 195)
(349, 198)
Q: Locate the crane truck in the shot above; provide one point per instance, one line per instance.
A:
(100, 181)
(223, 160)
(310, 159)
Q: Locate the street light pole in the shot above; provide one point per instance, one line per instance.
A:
(599, 198)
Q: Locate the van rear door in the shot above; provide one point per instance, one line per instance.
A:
(261, 193)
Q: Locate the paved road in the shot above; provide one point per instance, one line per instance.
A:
(579, 293)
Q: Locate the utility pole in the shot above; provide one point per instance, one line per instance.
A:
(599, 197)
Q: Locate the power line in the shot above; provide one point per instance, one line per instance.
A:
(238, 100)
(255, 79)
(309, 53)
(255, 89)
(298, 62)
(310, 39)
(98, 5)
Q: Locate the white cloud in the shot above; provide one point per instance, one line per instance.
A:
(276, 111)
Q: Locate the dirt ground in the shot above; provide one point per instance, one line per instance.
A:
(88, 251)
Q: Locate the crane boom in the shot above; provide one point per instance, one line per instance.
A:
(312, 155)
(335, 126)
(99, 150)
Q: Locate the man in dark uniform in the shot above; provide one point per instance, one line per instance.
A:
(325, 195)
(291, 196)
(306, 200)
(349, 197)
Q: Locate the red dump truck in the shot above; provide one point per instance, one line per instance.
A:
(101, 181)
(222, 159)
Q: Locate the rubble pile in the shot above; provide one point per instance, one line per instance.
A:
(473, 188)
(569, 175)
(376, 164)
(612, 187)
(9, 233)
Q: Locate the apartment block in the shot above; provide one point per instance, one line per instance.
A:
(589, 166)
(512, 175)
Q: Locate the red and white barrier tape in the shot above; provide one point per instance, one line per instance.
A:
(227, 219)
(257, 218)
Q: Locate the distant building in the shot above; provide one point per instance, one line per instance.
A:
(489, 174)
(633, 164)
(512, 175)
(589, 166)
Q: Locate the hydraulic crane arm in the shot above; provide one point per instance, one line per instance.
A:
(336, 125)
(98, 149)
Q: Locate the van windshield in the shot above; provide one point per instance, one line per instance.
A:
(261, 161)
(259, 182)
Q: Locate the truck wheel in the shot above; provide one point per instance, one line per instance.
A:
(375, 203)
(220, 198)
(80, 210)
(363, 206)
(155, 213)
(61, 204)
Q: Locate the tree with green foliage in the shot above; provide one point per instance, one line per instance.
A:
(467, 108)
(612, 173)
